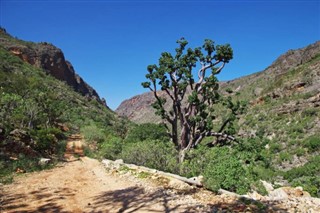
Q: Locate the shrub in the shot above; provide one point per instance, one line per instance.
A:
(23, 163)
(92, 133)
(151, 153)
(275, 147)
(111, 148)
(312, 143)
(195, 162)
(306, 176)
(147, 131)
(225, 171)
(310, 184)
(46, 140)
(285, 156)
(300, 152)
(312, 168)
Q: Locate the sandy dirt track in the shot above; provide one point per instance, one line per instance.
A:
(83, 185)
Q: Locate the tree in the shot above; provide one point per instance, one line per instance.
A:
(191, 117)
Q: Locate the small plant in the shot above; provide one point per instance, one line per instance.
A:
(285, 156)
(312, 143)
(300, 152)
(143, 175)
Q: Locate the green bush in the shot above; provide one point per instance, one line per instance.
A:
(312, 143)
(195, 162)
(275, 147)
(46, 140)
(147, 131)
(259, 187)
(312, 168)
(300, 152)
(92, 133)
(285, 156)
(310, 184)
(111, 148)
(151, 153)
(306, 176)
(225, 171)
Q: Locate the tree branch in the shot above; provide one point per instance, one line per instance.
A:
(220, 134)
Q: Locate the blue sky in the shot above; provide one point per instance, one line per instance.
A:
(110, 43)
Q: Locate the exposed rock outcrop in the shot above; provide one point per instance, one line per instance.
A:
(51, 59)
(293, 58)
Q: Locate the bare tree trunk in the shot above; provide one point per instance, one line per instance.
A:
(182, 154)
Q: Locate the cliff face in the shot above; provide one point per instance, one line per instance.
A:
(51, 59)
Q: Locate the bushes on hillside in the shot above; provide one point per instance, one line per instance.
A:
(151, 153)
(46, 140)
(312, 143)
(307, 176)
(147, 131)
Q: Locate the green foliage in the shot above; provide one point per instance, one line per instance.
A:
(46, 140)
(151, 153)
(275, 147)
(35, 102)
(195, 162)
(310, 184)
(226, 171)
(312, 168)
(111, 148)
(192, 121)
(8, 167)
(285, 156)
(143, 175)
(312, 143)
(147, 131)
(306, 176)
(92, 133)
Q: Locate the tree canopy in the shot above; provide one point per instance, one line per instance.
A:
(193, 95)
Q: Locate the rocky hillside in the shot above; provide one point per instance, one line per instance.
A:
(49, 58)
(39, 110)
(282, 112)
(273, 81)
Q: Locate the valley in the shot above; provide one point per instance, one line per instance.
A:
(48, 112)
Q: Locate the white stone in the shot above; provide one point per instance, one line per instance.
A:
(278, 194)
(267, 185)
(44, 161)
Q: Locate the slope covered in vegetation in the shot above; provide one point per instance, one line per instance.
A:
(37, 112)
(279, 132)
(278, 137)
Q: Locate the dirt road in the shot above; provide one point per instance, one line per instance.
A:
(84, 185)
(81, 186)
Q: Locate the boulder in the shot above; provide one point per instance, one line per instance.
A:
(268, 186)
(278, 194)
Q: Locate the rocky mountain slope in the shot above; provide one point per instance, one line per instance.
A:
(282, 112)
(251, 87)
(42, 101)
(49, 58)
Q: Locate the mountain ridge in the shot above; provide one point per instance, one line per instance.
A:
(138, 108)
(51, 59)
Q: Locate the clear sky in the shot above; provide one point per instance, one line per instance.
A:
(110, 43)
